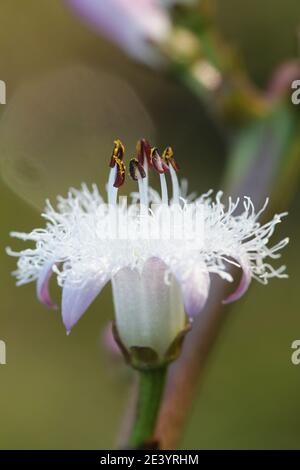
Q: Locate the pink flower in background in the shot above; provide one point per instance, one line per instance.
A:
(135, 25)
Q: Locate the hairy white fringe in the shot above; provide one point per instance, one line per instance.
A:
(76, 239)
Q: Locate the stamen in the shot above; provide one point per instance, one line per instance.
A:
(157, 162)
(164, 189)
(118, 152)
(138, 174)
(117, 173)
(168, 157)
(111, 190)
(120, 175)
(143, 150)
(135, 169)
(160, 166)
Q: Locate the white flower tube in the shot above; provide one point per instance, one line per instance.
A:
(148, 310)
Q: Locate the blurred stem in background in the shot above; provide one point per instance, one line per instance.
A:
(205, 64)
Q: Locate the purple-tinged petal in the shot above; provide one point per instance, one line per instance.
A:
(195, 289)
(42, 285)
(110, 343)
(132, 24)
(243, 285)
(77, 299)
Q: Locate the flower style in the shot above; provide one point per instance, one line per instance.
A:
(158, 252)
(134, 25)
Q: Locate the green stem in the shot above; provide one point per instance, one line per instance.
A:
(151, 386)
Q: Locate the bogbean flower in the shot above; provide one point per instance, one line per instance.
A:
(159, 252)
(134, 25)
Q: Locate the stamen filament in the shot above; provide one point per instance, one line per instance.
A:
(175, 185)
(112, 191)
(117, 172)
(137, 173)
(143, 194)
(145, 182)
(168, 158)
(164, 189)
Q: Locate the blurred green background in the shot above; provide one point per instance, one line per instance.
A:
(69, 94)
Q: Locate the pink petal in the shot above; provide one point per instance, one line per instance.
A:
(243, 285)
(129, 23)
(77, 299)
(195, 289)
(109, 342)
(42, 285)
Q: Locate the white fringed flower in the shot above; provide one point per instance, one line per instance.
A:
(159, 259)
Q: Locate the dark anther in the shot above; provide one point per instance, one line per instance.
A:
(117, 159)
(168, 157)
(120, 176)
(143, 151)
(134, 167)
(118, 153)
(157, 162)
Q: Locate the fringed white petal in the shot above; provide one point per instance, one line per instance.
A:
(78, 237)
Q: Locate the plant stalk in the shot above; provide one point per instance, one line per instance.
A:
(151, 387)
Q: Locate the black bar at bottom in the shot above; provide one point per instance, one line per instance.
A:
(134, 459)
